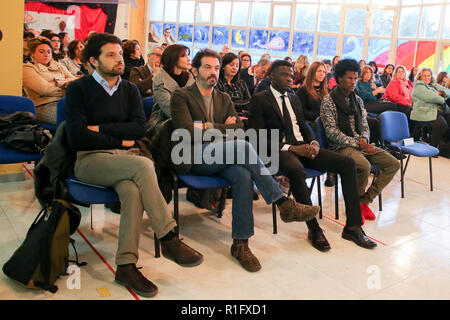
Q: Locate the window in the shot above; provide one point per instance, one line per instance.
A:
(279, 43)
(429, 23)
(353, 48)
(378, 51)
(203, 12)
(409, 20)
(258, 41)
(239, 16)
(355, 21)
(201, 36)
(222, 12)
(260, 14)
(329, 18)
(220, 37)
(170, 12)
(381, 23)
(185, 34)
(303, 43)
(305, 17)
(281, 16)
(187, 11)
(326, 48)
(157, 9)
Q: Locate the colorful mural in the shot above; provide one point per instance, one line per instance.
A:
(238, 39)
(326, 48)
(201, 36)
(185, 33)
(258, 41)
(220, 37)
(353, 48)
(405, 53)
(279, 43)
(303, 43)
(157, 28)
(378, 51)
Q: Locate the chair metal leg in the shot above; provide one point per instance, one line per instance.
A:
(274, 217)
(431, 174)
(223, 198)
(175, 206)
(336, 198)
(319, 195)
(380, 202)
(157, 247)
(91, 217)
(402, 176)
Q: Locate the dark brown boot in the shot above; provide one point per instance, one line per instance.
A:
(129, 276)
(244, 255)
(290, 211)
(181, 253)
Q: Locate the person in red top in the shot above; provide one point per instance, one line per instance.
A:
(399, 91)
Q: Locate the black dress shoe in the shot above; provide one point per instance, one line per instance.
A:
(129, 276)
(331, 179)
(359, 237)
(318, 240)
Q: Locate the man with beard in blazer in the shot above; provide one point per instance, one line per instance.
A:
(277, 109)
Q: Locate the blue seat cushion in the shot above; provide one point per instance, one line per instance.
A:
(48, 126)
(418, 149)
(311, 173)
(10, 156)
(90, 194)
(204, 182)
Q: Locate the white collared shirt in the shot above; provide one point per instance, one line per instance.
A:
(295, 126)
(105, 84)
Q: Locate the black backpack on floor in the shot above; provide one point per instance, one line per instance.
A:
(44, 254)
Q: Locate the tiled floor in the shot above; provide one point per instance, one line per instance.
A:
(412, 260)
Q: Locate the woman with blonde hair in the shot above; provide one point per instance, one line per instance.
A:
(300, 69)
(44, 79)
(429, 105)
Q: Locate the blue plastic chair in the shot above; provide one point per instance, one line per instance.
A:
(323, 141)
(148, 106)
(10, 104)
(394, 129)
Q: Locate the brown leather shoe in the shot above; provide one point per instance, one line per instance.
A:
(290, 211)
(180, 253)
(129, 276)
(244, 255)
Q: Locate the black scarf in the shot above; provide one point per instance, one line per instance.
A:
(345, 110)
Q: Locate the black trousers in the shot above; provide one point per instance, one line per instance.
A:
(380, 106)
(293, 167)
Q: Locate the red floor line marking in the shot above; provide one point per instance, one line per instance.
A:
(104, 261)
(424, 184)
(384, 244)
(25, 167)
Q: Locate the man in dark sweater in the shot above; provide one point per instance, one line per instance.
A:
(104, 118)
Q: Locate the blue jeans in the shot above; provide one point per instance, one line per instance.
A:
(241, 174)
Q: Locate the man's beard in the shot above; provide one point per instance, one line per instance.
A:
(206, 83)
(113, 72)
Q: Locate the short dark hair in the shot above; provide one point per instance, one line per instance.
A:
(374, 66)
(95, 43)
(227, 59)
(197, 61)
(344, 65)
(327, 61)
(129, 47)
(28, 35)
(279, 63)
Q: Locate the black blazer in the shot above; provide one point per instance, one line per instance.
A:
(265, 114)
(248, 79)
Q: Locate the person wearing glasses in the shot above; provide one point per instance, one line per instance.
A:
(57, 53)
(143, 76)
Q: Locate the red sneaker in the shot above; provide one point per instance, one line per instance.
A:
(363, 212)
(368, 214)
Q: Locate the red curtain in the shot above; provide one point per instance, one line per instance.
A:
(90, 19)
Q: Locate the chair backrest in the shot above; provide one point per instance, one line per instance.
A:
(394, 126)
(310, 130)
(10, 104)
(148, 106)
(320, 133)
(60, 116)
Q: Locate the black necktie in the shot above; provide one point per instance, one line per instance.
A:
(290, 137)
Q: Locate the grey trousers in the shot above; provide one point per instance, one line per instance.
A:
(134, 179)
(383, 160)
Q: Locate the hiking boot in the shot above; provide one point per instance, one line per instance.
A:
(179, 252)
(290, 211)
(129, 276)
(244, 255)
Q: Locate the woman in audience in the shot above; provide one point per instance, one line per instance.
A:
(246, 60)
(73, 61)
(44, 79)
(376, 75)
(429, 105)
(173, 75)
(362, 63)
(300, 69)
(442, 78)
(65, 40)
(334, 62)
(387, 75)
(327, 63)
(57, 53)
(412, 74)
(399, 91)
(131, 57)
(230, 83)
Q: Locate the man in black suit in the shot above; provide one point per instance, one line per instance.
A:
(277, 109)
(253, 75)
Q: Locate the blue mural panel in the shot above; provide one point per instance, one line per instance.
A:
(279, 43)
(353, 48)
(201, 36)
(185, 34)
(220, 37)
(379, 50)
(303, 43)
(158, 29)
(238, 39)
(258, 41)
(326, 47)
(172, 27)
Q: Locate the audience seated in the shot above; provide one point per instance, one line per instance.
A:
(188, 106)
(44, 79)
(429, 105)
(300, 69)
(345, 122)
(104, 119)
(277, 109)
(412, 74)
(253, 75)
(246, 60)
(65, 40)
(229, 82)
(57, 53)
(132, 57)
(442, 78)
(143, 76)
(327, 64)
(73, 61)
(399, 91)
(376, 75)
(174, 74)
(386, 76)
(27, 35)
